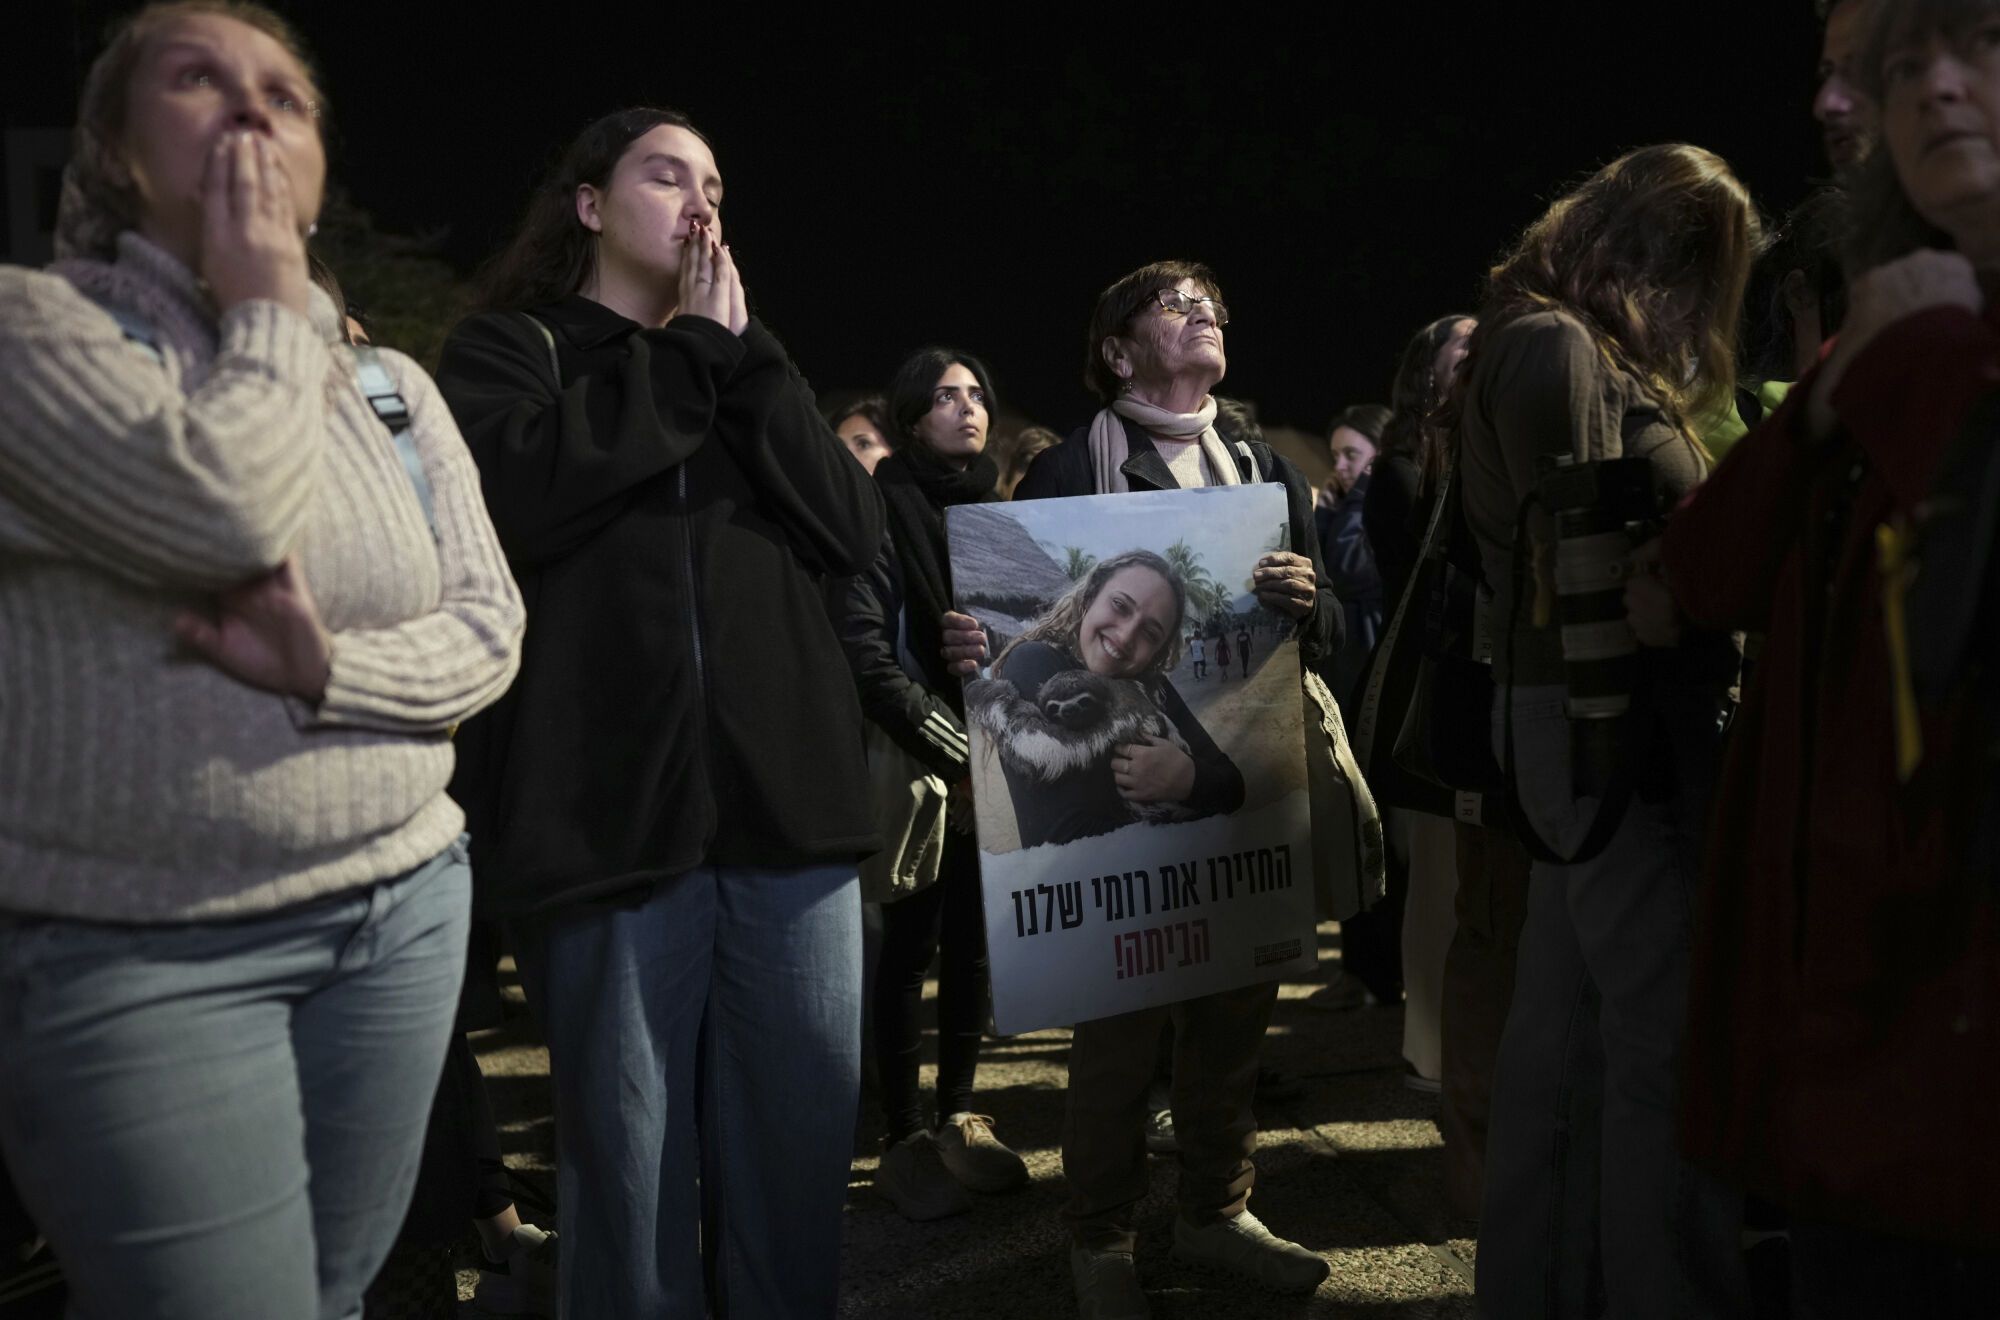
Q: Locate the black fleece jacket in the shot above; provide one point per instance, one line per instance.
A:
(670, 501)
(1065, 469)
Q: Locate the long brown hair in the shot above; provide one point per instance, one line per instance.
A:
(1652, 254)
(551, 254)
(1063, 624)
(1415, 397)
(98, 201)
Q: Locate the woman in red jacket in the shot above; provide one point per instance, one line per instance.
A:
(1843, 1046)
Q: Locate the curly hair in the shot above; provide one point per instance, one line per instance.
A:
(1652, 254)
(98, 200)
(1062, 625)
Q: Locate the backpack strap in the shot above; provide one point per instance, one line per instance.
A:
(388, 403)
(140, 333)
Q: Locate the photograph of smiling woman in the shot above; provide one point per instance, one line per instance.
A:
(1106, 646)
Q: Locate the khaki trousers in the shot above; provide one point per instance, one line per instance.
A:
(1217, 1039)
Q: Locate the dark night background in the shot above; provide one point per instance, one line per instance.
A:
(974, 177)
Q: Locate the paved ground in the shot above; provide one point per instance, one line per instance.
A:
(1350, 1169)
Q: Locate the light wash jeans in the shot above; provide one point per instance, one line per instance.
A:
(706, 1051)
(1582, 1170)
(222, 1120)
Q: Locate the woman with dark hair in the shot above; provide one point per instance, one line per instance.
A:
(1844, 1049)
(940, 405)
(1607, 328)
(864, 427)
(1412, 454)
(242, 616)
(1153, 354)
(672, 801)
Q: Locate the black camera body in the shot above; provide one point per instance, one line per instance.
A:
(1603, 510)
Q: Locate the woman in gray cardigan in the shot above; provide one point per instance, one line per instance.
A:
(235, 633)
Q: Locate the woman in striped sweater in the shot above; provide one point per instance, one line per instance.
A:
(233, 893)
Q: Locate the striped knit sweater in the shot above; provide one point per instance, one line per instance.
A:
(138, 783)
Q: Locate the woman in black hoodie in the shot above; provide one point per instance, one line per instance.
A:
(671, 801)
(940, 406)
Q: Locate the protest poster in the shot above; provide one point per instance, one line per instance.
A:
(1138, 753)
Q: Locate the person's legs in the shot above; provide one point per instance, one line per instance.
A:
(1479, 987)
(168, 1113)
(1538, 1230)
(620, 992)
(1104, 1125)
(781, 1080)
(961, 977)
(370, 1043)
(909, 941)
(1671, 1234)
(1217, 1040)
(150, 1112)
(1428, 923)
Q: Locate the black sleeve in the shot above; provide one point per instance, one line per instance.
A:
(1388, 515)
(1350, 562)
(556, 458)
(865, 613)
(1322, 631)
(804, 476)
(1218, 784)
(1042, 479)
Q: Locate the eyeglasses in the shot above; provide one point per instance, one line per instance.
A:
(1175, 303)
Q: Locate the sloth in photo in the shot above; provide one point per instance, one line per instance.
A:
(1091, 736)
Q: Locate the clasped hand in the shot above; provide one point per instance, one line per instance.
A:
(267, 633)
(711, 285)
(1155, 770)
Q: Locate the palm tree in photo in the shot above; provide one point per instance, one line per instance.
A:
(1077, 563)
(1206, 597)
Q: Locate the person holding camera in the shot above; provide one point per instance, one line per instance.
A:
(1843, 1044)
(1606, 329)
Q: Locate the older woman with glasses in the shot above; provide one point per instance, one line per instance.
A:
(1154, 354)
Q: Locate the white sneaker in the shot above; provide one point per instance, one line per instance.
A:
(1160, 1136)
(913, 1178)
(1244, 1247)
(1107, 1285)
(978, 1159)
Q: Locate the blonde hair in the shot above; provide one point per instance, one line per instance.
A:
(1062, 626)
(98, 199)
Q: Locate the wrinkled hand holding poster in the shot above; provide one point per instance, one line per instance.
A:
(1138, 755)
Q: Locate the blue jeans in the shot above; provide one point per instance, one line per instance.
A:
(1582, 1170)
(706, 1051)
(222, 1120)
